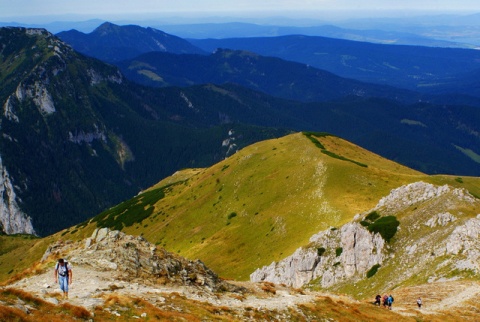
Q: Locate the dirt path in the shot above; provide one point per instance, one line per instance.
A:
(89, 286)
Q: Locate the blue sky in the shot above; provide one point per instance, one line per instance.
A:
(109, 8)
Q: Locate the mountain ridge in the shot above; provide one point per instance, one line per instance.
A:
(276, 77)
(256, 186)
(410, 67)
(110, 42)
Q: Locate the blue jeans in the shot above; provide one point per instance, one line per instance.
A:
(63, 282)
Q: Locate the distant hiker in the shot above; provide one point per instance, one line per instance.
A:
(378, 299)
(419, 303)
(63, 275)
(390, 301)
(385, 300)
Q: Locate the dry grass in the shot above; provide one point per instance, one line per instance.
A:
(12, 314)
(24, 296)
(268, 287)
(77, 311)
(36, 268)
(176, 307)
(39, 310)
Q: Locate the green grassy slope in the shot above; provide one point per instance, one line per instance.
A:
(262, 203)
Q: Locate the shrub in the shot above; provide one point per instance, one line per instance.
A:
(317, 143)
(321, 251)
(385, 226)
(338, 251)
(336, 156)
(233, 214)
(459, 180)
(372, 216)
(372, 271)
(132, 211)
(364, 223)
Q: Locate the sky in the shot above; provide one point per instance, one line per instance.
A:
(105, 9)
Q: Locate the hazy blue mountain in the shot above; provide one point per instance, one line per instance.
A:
(411, 67)
(111, 43)
(247, 30)
(271, 75)
(467, 84)
(59, 26)
(458, 28)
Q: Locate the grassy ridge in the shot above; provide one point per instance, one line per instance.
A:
(281, 191)
(260, 204)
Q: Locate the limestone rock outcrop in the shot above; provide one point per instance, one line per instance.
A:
(333, 255)
(465, 240)
(436, 238)
(132, 257)
(12, 219)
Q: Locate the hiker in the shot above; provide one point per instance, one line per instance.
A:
(385, 301)
(419, 303)
(378, 299)
(63, 275)
(390, 301)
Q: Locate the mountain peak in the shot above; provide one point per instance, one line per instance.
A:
(110, 42)
(105, 28)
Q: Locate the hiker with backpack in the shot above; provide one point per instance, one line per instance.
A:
(385, 301)
(378, 299)
(63, 275)
(390, 301)
(419, 303)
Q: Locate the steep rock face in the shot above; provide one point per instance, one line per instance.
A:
(435, 233)
(465, 240)
(132, 257)
(12, 219)
(333, 255)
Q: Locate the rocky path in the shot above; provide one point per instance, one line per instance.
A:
(89, 286)
(112, 263)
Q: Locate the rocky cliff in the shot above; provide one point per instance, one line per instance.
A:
(12, 219)
(131, 257)
(437, 235)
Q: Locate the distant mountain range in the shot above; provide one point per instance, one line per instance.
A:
(411, 67)
(425, 69)
(110, 42)
(270, 75)
(248, 30)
